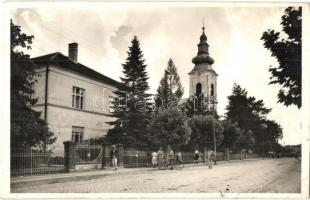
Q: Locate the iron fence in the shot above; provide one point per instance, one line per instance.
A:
(27, 161)
(88, 154)
(144, 159)
(136, 159)
(189, 157)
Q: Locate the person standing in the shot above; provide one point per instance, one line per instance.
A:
(170, 156)
(160, 156)
(114, 155)
(196, 156)
(179, 158)
(213, 157)
(154, 159)
(210, 159)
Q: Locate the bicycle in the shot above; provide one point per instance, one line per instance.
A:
(176, 162)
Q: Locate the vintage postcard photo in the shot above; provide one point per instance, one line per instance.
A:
(160, 98)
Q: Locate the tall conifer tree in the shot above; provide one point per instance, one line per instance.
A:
(170, 90)
(130, 103)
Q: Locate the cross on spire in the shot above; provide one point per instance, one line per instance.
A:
(203, 24)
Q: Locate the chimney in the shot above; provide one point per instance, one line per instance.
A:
(73, 51)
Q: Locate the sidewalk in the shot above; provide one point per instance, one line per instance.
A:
(86, 175)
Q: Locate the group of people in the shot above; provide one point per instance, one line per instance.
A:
(160, 159)
(210, 157)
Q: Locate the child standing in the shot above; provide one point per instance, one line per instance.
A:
(154, 159)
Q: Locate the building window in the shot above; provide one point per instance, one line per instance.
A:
(212, 90)
(78, 98)
(198, 89)
(77, 134)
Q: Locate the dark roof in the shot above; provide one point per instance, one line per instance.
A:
(201, 68)
(65, 62)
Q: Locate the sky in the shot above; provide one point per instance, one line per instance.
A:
(104, 34)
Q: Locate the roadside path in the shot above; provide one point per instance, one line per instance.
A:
(270, 175)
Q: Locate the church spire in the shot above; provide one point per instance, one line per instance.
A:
(203, 50)
(203, 78)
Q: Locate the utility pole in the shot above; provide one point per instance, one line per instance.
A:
(213, 102)
(264, 128)
(263, 145)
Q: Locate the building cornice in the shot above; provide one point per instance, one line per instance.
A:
(70, 108)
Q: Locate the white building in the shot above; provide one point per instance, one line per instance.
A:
(73, 99)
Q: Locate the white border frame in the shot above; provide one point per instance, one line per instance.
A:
(5, 108)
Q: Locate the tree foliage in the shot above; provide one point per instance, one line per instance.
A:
(287, 51)
(273, 130)
(231, 133)
(251, 115)
(169, 127)
(271, 133)
(246, 140)
(198, 104)
(202, 131)
(131, 102)
(27, 128)
(170, 90)
(245, 110)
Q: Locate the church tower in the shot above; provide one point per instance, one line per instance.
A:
(203, 78)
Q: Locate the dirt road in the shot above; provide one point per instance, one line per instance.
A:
(270, 175)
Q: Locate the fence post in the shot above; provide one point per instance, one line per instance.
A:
(227, 152)
(103, 157)
(106, 156)
(30, 162)
(121, 155)
(205, 154)
(69, 156)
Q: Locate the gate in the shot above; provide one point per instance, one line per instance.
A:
(88, 154)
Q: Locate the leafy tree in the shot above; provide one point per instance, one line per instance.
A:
(271, 133)
(246, 140)
(246, 111)
(273, 130)
(168, 128)
(202, 131)
(231, 135)
(170, 90)
(288, 53)
(131, 102)
(197, 104)
(27, 128)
